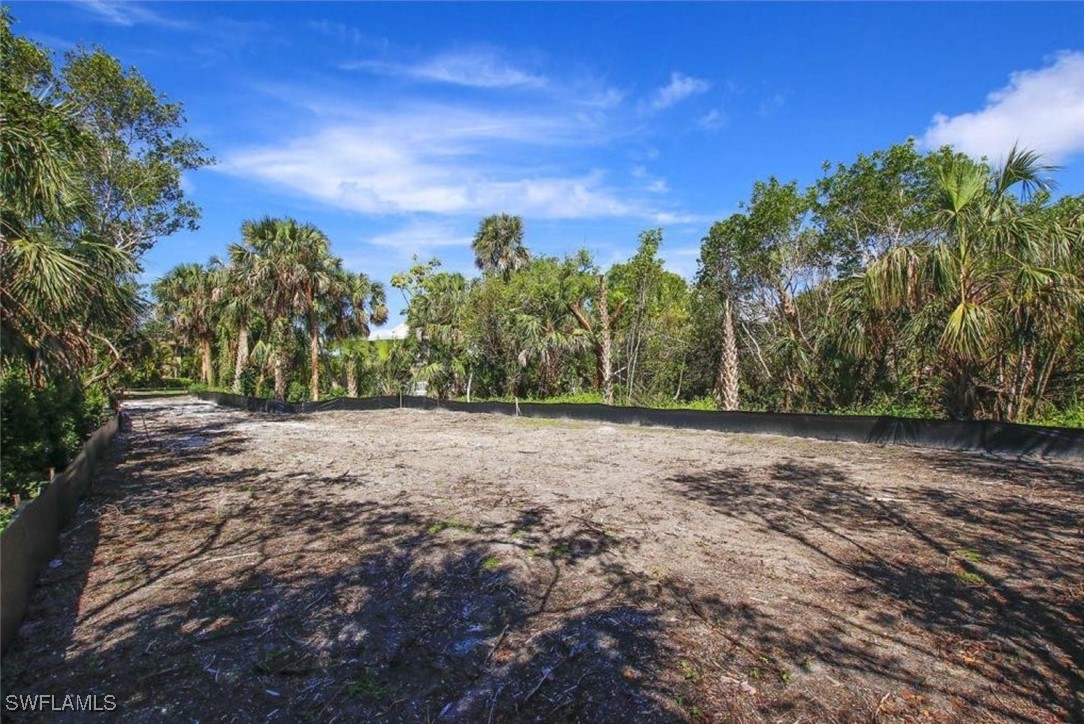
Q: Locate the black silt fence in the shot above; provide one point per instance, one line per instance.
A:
(32, 536)
(985, 436)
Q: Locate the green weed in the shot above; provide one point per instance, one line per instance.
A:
(969, 578)
(443, 525)
(560, 551)
(689, 672)
(365, 687)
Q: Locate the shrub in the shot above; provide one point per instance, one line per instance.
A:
(297, 392)
(42, 428)
(1070, 417)
(249, 378)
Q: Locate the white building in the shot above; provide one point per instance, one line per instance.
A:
(398, 332)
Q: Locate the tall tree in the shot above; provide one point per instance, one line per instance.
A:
(600, 332)
(68, 265)
(986, 292)
(63, 289)
(498, 245)
(187, 297)
(358, 303)
(720, 271)
(239, 302)
(139, 151)
(783, 256)
(291, 265)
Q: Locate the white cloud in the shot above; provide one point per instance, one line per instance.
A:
(478, 68)
(653, 184)
(1039, 109)
(421, 235)
(711, 121)
(127, 14)
(52, 41)
(347, 34)
(678, 89)
(682, 260)
(440, 159)
(771, 106)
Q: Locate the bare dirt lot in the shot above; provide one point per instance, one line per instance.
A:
(425, 566)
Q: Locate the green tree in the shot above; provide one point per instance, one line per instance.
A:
(597, 314)
(721, 273)
(498, 245)
(357, 303)
(240, 303)
(188, 297)
(290, 264)
(187, 301)
(435, 318)
(138, 155)
(994, 291)
(63, 288)
(92, 162)
(652, 332)
(877, 203)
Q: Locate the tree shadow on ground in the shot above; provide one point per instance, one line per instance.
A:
(233, 596)
(988, 585)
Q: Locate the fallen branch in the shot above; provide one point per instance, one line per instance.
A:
(500, 640)
(226, 558)
(546, 673)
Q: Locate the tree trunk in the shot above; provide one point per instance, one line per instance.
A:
(280, 377)
(351, 377)
(242, 357)
(726, 386)
(205, 360)
(314, 359)
(605, 346)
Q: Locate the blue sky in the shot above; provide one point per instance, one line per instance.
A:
(395, 127)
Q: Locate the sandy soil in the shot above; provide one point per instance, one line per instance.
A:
(424, 566)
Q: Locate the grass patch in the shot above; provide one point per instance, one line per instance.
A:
(365, 687)
(560, 551)
(969, 578)
(442, 525)
(491, 563)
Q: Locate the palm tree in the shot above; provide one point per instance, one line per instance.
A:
(720, 272)
(187, 297)
(240, 302)
(993, 290)
(62, 290)
(548, 341)
(388, 361)
(436, 317)
(498, 245)
(289, 266)
(357, 303)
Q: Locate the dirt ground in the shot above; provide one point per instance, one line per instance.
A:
(434, 566)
